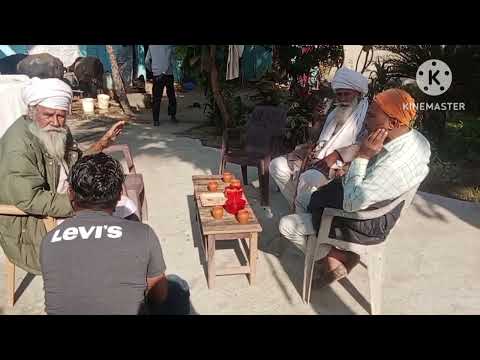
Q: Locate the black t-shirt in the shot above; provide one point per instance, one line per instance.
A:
(94, 263)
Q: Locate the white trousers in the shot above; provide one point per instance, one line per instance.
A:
(298, 228)
(285, 178)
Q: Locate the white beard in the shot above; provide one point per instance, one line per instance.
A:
(54, 139)
(344, 111)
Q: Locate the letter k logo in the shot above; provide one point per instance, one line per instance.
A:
(433, 77)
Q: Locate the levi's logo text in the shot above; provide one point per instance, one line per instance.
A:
(85, 233)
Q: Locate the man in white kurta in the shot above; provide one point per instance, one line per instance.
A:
(341, 130)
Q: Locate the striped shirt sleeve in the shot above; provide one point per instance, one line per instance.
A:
(362, 189)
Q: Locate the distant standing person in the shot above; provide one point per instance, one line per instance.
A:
(160, 60)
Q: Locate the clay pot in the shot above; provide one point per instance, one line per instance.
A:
(236, 183)
(227, 177)
(212, 186)
(217, 212)
(242, 216)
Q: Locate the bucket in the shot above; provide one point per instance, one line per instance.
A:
(103, 101)
(88, 105)
(107, 81)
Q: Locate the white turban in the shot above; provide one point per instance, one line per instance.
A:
(348, 79)
(51, 93)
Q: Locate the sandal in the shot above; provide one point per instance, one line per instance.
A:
(352, 261)
(319, 269)
(329, 277)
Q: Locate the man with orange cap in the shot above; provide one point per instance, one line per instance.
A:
(391, 160)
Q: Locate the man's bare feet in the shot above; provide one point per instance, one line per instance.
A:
(338, 257)
(332, 263)
(337, 265)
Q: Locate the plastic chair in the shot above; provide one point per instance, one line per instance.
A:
(257, 143)
(371, 255)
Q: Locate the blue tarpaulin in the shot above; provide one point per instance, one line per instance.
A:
(256, 61)
(98, 51)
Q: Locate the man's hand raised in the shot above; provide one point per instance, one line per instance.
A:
(111, 135)
(372, 144)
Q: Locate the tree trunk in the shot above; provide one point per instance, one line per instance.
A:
(279, 72)
(443, 127)
(215, 85)
(276, 65)
(134, 63)
(118, 82)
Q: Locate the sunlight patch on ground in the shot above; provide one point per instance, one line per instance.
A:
(156, 145)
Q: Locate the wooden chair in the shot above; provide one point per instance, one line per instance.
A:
(125, 149)
(256, 145)
(10, 268)
(371, 255)
(134, 186)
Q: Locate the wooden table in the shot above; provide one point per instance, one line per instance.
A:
(227, 228)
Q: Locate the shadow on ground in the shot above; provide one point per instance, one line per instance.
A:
(23, 286)
(145, 143)
(436, 207)
(162, 145)
(324, 301)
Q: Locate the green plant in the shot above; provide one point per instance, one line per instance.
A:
(297, 130)
(297, 60)
(191, 59)
(294, 61)
(380, 78)
(236, 106)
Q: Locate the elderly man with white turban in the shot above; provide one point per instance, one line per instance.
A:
(334, 147)
(36, 153)
(390, 160)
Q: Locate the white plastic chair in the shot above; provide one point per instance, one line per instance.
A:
(371, 255)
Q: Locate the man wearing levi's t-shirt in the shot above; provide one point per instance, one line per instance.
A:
(95, 263)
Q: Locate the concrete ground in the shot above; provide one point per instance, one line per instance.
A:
(432, 261)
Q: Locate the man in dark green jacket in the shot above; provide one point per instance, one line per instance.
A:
(36, 153)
